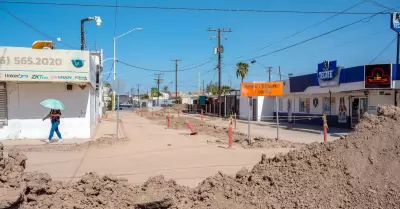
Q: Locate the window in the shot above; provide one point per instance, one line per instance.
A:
(3, 104)
(304, 105)
(280, 101)
(326, 108)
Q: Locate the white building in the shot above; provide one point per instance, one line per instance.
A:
(29, 76)
(342, 94)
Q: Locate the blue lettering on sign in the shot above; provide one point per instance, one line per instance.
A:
(395, 22)
(327, 70)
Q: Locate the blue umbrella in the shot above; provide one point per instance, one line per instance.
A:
(53, 104)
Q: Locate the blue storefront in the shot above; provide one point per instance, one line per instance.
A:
(343, 94)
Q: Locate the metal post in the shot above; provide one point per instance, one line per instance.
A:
(248, 122)
(115, 72)
(225, 106)
(83, 34)
(398, 46)
(277, 118)
(117, 107)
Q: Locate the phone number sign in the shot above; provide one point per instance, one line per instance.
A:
(251, 89)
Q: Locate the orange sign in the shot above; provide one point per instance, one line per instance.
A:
(262, 89)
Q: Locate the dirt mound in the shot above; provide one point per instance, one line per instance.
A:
(11, 178)
(358, 171)
(221, 133)
(92, 191)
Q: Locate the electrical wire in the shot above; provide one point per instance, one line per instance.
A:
(165, 71)
(189, 8)
(312, 38)
(36, 29)
(305, 29)
(365, 19)
(381, 5)
(386, 47)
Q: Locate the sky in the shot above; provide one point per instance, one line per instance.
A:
(178, 34)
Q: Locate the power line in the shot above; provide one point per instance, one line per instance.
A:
(312, 38)
(165, 71)
(312, 26)
(381, 5)
(189, 8)
(387, 46)
(318, 36)
(36, 29)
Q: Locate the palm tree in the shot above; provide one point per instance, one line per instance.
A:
(165, 89)
(242, 70)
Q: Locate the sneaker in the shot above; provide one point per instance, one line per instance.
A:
(46, 141)
(59, 141)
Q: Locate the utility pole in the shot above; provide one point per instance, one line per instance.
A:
(203, 87)
(219, 51)
(176, 79)
(138, 94)
(269, 73)
(158, 79)
(198, 84)
(280, 74)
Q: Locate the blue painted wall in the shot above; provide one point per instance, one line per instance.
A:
(347, 75)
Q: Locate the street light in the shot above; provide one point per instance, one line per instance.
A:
(115, 59)
(98, 23)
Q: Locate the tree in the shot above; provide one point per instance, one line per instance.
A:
(242, 70)
(165, 89)
(225, 89)
(144, 96)
(154, 92)
(213, 88)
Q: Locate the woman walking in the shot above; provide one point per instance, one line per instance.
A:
(54, 116)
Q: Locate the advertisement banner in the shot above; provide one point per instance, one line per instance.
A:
(342, 111)
(25, 64)
(378, 76)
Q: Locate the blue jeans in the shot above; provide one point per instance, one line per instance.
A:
(54, 128)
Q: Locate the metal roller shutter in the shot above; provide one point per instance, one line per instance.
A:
(3, 104)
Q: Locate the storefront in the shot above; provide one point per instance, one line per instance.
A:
(343, 94)
(28, 76)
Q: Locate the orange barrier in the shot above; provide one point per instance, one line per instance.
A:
(192, 132)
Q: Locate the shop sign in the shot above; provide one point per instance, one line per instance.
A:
(26, 64)
(15, 75)
(251, 89)
(395, 22)
(378, 76)
(328, 73)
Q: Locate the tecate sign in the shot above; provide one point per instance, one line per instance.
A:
(327, 70)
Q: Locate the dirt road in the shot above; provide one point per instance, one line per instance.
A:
(151, 150)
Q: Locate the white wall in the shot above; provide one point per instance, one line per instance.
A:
(375, 99)
(244, 108)
(25, 112)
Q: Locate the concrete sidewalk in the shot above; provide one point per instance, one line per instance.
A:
(335, 132)
(106, 128)
(268, 131)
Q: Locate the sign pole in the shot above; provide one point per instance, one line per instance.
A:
(248, 122)
(277, 118)
(117, 107)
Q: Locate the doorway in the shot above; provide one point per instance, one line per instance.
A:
(359, 106)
